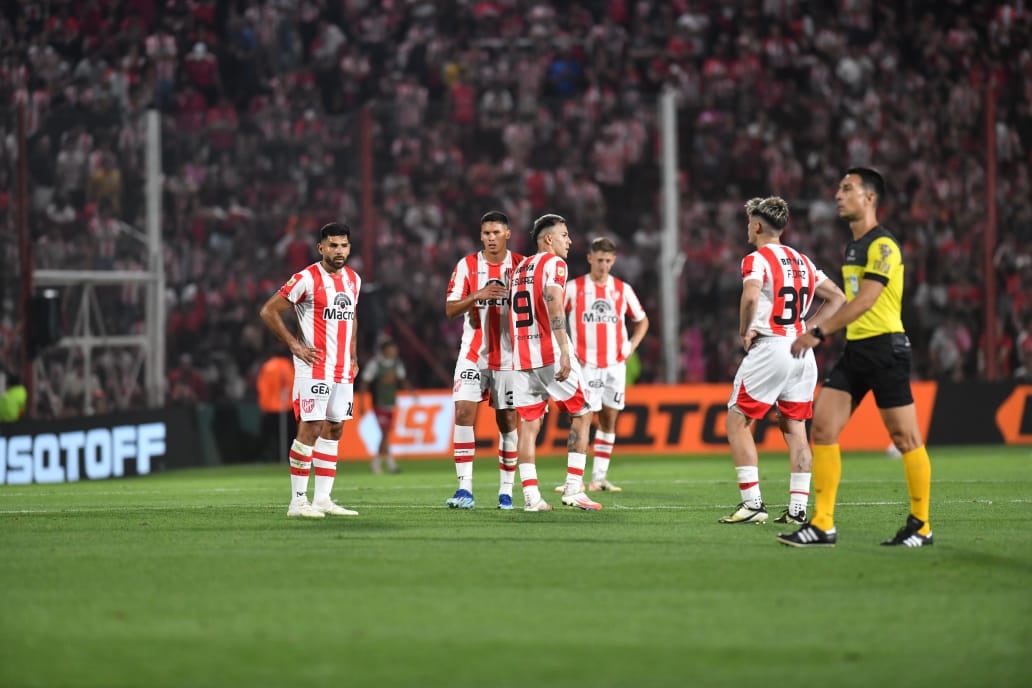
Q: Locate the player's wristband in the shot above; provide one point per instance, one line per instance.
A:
(816, 332)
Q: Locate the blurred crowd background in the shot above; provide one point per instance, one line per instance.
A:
(520, 105)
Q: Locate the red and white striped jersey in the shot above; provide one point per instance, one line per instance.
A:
(485, 329)
(597, 315)
(326, 305)
(533, 342)
(788, 281)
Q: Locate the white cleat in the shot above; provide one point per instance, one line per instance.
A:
(328, 506)
(581, 501)
(603, 485)
(539, 505)
(300, 508)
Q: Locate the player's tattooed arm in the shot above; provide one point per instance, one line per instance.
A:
(558, 324)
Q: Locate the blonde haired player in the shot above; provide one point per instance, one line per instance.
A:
(778, 287)
(597, 307)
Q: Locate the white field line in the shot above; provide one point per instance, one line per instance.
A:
(128, 490)
(439, 507)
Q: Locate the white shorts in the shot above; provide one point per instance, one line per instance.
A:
(534, 388)
(477, 384)
(605, 386)
(322, 400)
(770, 374)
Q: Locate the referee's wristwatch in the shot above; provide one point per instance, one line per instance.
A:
(816, 332)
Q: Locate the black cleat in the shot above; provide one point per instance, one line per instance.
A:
(809, 536)
(907, 536)
(787, 517)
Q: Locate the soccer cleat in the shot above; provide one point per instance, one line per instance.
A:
(300, 508)
(787, 517)
(809, 536)
(539, 505)
(505, 502)
(581, 501)
(744, 514)
(603, 485)
(462, 499)
(907, 536)
(331, 508)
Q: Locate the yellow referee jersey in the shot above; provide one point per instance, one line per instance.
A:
(876, 255)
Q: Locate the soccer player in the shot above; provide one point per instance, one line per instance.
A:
(597, 306)
(479, 290)
(385, 374)
(876, 358)
(324, 296)
(778, 287)
(544, 365)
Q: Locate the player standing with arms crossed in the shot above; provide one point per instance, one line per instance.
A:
(877, 359)
(778, 287)
(324, 297)
(597, 306)
(479, 289)
(544, 365)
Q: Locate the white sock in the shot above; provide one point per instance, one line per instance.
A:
(300, 467)
(465, 450)
(798, 492)
(575, 462)
(603, 453)
(506, 462)
(324, 461)
(749, 485)
(528, 478)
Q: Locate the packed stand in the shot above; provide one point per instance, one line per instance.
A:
(528, 107)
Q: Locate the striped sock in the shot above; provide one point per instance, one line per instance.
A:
(575, 462)
(749, 485)
(300, 468)
(827, 472)
(528, 478)
(324, 461)
(507, 462)
(465, 449)
(603, 453)
(798, 492)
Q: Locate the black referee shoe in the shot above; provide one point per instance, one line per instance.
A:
(809, 536)
(907, 536)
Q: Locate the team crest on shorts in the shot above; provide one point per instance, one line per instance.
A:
(307, 405)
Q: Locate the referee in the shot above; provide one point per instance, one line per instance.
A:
(876, 359)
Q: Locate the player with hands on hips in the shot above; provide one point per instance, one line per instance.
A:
(778, 287)
(324, 297)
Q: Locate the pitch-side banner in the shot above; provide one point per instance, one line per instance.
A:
(658, 419)
(98, 447)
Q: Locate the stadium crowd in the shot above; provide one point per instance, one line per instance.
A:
(521, 105)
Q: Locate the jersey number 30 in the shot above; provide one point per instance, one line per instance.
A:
(791, 303)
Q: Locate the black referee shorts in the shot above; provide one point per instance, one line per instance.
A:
(878, 364)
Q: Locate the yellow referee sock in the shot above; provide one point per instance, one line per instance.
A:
(827, 472)
(918, 469)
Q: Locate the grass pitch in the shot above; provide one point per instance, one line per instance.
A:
(197, 578)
